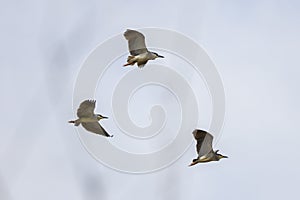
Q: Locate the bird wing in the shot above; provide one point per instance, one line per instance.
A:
(86, 108)
(204, 142)
(136, 42)
(95, 127)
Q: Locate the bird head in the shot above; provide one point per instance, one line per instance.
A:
(156, 55)
(101, 117)
(219, 156)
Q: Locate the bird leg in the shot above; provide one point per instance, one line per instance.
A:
(131, 60)
(128, 64)
(75, 122)
(193, 163)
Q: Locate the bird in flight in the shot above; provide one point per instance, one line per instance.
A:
(138, 50)
(88, 119)
(204, 148)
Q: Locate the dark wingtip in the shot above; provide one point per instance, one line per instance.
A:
(107, 135)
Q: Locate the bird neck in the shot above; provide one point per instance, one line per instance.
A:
(151, 55)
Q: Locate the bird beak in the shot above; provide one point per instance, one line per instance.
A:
(160, 56)
(224, 156)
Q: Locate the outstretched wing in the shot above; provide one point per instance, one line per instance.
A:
(86, 108)
(204, 142)
(136, 42)
(95, 127)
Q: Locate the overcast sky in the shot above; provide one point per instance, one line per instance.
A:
(255, 47)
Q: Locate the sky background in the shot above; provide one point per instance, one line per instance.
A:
(255, 47)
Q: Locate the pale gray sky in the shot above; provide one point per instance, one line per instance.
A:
(255, 47)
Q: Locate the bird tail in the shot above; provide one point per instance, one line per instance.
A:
(130, 61)
(129, 58)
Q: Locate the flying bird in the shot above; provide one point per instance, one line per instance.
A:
(204, 148)
(88, 119)
(138, 50)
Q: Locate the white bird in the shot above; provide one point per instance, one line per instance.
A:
(88, 119)
(138, 50)
(204, 148)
